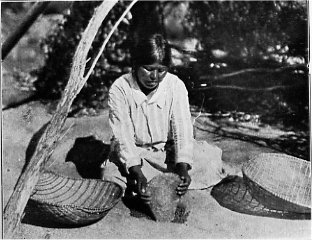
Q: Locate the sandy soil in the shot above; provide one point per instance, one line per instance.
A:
(207, 218)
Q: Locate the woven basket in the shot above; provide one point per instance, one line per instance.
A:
(232, 193)
(279, 181)
(74, 201)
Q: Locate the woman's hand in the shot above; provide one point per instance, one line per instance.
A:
(141, 183)
(182, 170)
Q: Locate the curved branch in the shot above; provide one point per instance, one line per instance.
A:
(108, 37)
(52, 134)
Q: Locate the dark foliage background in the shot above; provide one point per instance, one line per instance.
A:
(60, 48)
(259, 35)
(265, 35)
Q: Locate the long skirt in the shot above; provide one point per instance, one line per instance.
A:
(207, 169)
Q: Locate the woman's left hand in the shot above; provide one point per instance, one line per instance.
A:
(182, 171)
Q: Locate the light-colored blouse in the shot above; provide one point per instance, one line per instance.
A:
(138, 120)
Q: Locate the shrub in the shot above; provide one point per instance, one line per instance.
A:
(60, 48)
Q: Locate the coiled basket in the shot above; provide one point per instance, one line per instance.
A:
(279, 181)
(74, 202)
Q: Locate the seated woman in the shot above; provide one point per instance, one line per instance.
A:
(152, 128)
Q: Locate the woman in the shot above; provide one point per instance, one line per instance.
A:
(151, 124)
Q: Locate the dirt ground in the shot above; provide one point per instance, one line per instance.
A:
(207, 219)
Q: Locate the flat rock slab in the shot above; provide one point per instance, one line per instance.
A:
(234, 151)
(207, 218)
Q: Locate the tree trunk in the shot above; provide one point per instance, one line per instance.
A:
(29, 19)
(47, 143)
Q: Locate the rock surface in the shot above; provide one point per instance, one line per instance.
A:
(207, 218)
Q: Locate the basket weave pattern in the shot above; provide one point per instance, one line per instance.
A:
(74, 201)
(234, 194)
(280, 181)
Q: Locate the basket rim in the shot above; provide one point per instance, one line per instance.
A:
(109, 206)
(280, 156)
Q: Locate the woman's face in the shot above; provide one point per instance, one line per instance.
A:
(149, 76)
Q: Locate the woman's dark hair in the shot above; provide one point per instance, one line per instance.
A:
(150, 49)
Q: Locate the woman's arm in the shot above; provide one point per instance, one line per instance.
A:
(122, 127)
(182, 131)
(181, 125)
(123, 130)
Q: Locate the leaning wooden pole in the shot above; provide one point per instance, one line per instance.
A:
(29, 19)
(28, 179)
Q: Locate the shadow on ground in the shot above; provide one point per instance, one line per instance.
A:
(87, 154)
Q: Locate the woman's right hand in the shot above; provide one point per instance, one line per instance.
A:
(141, 183)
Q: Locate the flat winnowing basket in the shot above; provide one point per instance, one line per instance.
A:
(74, 201)
(279, 181)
